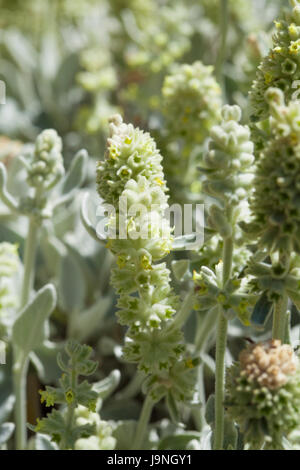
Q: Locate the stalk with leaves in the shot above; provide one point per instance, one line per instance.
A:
(147, 305)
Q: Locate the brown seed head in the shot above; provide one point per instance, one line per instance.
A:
(270, 363)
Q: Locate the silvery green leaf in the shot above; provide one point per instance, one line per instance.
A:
(71, 284)
(230, 435)
(89, 216)
(105, 387)
(49, 56)
(6, 197)
(209, 362)
(29, 327)
(185, 242)
(20, 49)
(53, 250)
(76, 174)
(206, 438)
(89, 321)
(295, 297)
(7, 398)
(124, 433)
(43, 442)
(181, 269)
(6, 430)
(178, 441)
(172, 408)
(66, 72)
(210, 410)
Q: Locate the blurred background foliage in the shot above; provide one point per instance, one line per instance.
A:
(69, 65)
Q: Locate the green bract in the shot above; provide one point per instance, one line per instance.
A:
(234, 297)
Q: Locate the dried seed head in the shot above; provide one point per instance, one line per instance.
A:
(270, 364)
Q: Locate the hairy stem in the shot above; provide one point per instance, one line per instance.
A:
(204, 330)
(220, 381)
(227, 258)
(70, 413)
(21, 363)
(220, 351)
(143, 423)
(279, 318)
(29, 261)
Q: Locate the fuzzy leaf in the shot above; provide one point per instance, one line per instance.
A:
(44, 443)
(230, 435)
(210, 410)
(71, 285)
(181, 269)
(105, 387)
(76, 174)
(178, 441)
(29, 327)
(6, 431)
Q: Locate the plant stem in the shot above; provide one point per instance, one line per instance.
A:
(70, 413)
(143, 423)
(204, 330)
(223, 36)
(221, 350)
(227, 258)
(19, 377)
(21, 363)
(199, 412)
(220, 381)
(279, 318)
(29, 261)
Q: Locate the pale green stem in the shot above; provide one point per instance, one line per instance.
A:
(221, 350)
(143, 423)
(29, 261)
(224, 21)
(287, 335)
(21, 363)
(279, 318)
(70, 413)
(227, 258)
(19, 377)
(199, 412)
(220, 381)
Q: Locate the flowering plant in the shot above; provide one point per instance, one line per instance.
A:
(162, 262)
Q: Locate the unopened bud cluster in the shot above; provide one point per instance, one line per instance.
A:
(47, 166)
